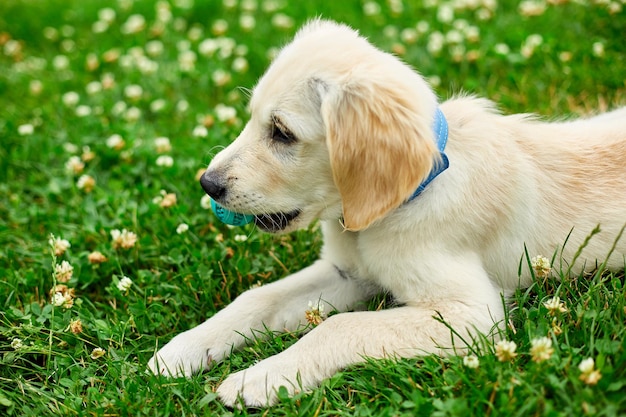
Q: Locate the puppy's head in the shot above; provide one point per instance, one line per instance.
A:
(338, 129)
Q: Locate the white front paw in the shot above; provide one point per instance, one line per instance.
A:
(184, 355)
(258, 385)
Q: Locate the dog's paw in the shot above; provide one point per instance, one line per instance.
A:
(184, 355)
(258, 385)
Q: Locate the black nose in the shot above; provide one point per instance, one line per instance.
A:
(213, 185)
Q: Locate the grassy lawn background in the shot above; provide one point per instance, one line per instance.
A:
(95, 83)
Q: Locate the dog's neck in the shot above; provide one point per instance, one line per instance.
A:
(440, 127)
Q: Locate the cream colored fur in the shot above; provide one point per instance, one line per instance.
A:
(364, 143)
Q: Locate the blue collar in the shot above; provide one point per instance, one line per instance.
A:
(440, 127)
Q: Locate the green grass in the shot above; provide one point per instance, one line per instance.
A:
(181, 279)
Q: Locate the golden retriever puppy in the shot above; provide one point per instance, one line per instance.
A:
(431, 202)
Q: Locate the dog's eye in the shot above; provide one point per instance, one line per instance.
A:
(280, 133)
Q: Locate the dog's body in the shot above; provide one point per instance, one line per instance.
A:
(341, 132)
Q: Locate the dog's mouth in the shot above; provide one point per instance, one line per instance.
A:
(275, 222)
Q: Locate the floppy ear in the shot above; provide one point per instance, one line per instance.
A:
(380, 144)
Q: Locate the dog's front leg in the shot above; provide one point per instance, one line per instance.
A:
(348, 338)
(277, 306)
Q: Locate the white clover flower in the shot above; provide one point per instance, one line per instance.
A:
(12, 47)
(133, 92)
(220, 27)
(96, 257)
(282, 21)
(86, 183)
(87, 154)
(50, 33)
(183, 45)
(119, 108)
(435, 42)
(205, 202)
(98, 353)
(541, 349)
(99, 26)
(434, 80)
(502, 49)
(371, 8)
(154, 48)
(124, 284)
(445, 13)
(83, 111)
(182, 106)
(69, 147)
(165, 161)
(589, 375)
(76, 326)
(162, 144)
(93, 87)
(123, 239)
(59, 246)
(471, 361)
(249, 5)
(587, 365)
(68, 45)
(555, 305)
(247, 22)
(127, 62)
(454, 36)
(35, 87)
(315, 313)
(598, 49)
(270, 6)
(422, 27)
(165, 199)
(565, 56)
(505, 350)
(457, 52)
(132, 114)
(220, 77)
(16, 343)
(182, 228)
(484, 14)
(396, 7)
(26, 129)
(63, 271)
(240, 64)
(106, 14)
(157, 105)
(225, 113)
(226, 47)
(241, 238)
(541, 265)
(92, 62)
(187, 61)
(409, 35)
(58, 299)
(208, 47)
(390, 31)
(194, 33)
(163, 11)
(472, 33)
(532, 8)
(534, 40)
(200, 131)
(60, 62)
(115, 141)
(272, 53)
(615, 7)
(134, 24)
(70, 99)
